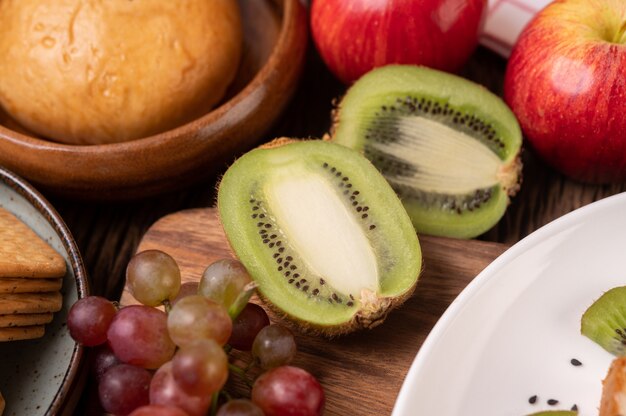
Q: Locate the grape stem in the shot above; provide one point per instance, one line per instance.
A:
(167, 305)
(241, 373)
(214, 399)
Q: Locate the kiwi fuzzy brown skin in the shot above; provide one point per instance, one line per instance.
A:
(371, 308)
(418, 126)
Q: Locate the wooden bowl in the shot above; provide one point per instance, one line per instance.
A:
(275, 38)
(43, 376)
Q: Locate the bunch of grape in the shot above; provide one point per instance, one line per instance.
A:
(175, 363)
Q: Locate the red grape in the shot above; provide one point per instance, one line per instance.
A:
(200, 368)
(223, 281)
(158, 410)
(153, 277)
(288, 391)
(138, 335)
(274, 346)
(89, 320)
(186, 289)
(123, 388)
(196, 317)
(240, 407)
(247, 325)
(103, 360)
(165, 391)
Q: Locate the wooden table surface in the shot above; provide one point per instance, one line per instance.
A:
(108, 234)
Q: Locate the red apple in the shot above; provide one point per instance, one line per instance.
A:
(566, 83)
(355, 36)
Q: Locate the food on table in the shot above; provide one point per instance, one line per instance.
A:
(288, 390)
(164, 390)
(321, 232)
(112, 71)
(447, 146)
(89, 320)
(605, 321)
(153, 277)
(191, 381)
(247, 325)
(200, 368)
(555, 413)
(240, 407)
(614, 389)
(123, 388)
(565, 82)
(158, 410)
(354, 36)
(31, 275)
(25, 319)
(21, 333)
(196, 317)
(139, 335)
(24, 254)
(223, 280)
(273, 346)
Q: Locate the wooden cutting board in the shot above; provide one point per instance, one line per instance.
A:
(361, 373)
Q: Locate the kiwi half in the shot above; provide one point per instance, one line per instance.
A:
(322, 233)
(448, 147)
(555, 413)
(605, 321)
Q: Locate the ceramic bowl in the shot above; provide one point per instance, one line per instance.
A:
(275, 38)
(39, 376)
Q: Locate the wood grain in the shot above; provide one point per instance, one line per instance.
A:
(361, 373)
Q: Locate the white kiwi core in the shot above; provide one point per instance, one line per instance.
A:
(323, 231)
(447, 160)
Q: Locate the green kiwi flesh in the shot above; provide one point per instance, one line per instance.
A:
(448, 147)
(605, 321)
(322, 233)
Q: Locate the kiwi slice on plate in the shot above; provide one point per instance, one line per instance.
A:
(605, 321)
(321, 232)
(448, 147)
(555, 413)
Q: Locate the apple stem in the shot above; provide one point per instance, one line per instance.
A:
(620, 36)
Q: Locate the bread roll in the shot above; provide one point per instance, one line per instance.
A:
(103, 71)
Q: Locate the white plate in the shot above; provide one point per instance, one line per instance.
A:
(512, 332)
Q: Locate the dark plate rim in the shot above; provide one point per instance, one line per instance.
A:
(44, 207)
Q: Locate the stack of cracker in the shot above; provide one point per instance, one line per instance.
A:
(31, 275)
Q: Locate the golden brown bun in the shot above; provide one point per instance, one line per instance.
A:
(614, 389)
(103, 71)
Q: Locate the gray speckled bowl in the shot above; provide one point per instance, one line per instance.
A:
(38, 377)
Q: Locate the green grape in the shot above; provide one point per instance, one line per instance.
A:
(274, 346)
(223, 281)
(153, 277)
(195, 318)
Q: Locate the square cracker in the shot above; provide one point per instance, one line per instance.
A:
(23, 285)
(20, 333)
(13, 303)
(23, 253)
(25, 319)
